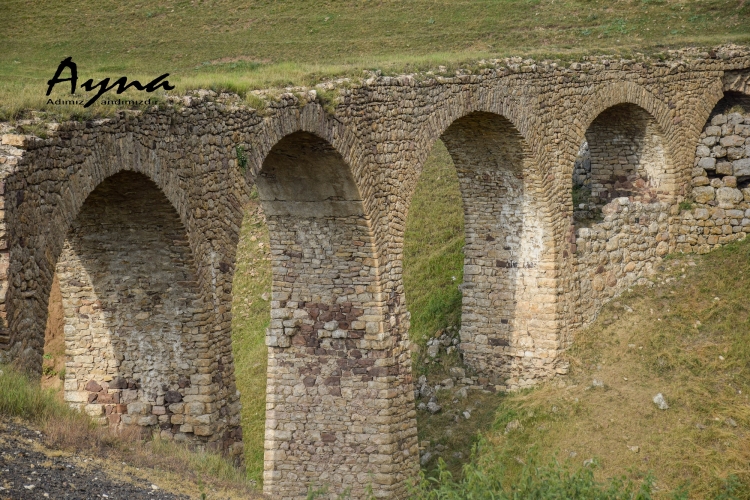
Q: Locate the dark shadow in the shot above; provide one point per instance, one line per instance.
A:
(623, 156)
(135, 324)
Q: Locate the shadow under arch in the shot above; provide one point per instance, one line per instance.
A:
(137, 328)
(624, 154)
(335, 411)
(507, 324)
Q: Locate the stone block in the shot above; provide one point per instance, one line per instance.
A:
(195, 408)
(707, 163)
(147, 420)
(703, 194)
(728, 197)
(16, 140)
(700, 181)
(732, 141)
(724, 168)
(172, 397)
(77, 396)
(741, 168)
(93, 386)
(94, 410)
(139, 408)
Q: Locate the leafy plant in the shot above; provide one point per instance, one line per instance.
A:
(241, 158)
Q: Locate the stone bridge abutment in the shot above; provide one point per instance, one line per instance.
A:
(138, 215)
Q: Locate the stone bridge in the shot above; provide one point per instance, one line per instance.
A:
(138, 216)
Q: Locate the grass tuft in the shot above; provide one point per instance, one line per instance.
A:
(23, 398)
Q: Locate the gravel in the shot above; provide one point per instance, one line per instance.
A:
(26, 472)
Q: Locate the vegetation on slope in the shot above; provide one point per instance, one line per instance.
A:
(63, 430)
(251, 310)
(243, 45)
(687, 337)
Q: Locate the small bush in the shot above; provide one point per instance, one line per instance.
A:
(685, 206)
(328, 100)
(255, 101)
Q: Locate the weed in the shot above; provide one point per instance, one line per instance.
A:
(685, 206)
(328, 100)
(241, 158)
(488, 480)
(255, 101)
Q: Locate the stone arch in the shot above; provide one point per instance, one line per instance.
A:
(329, 342)
(508, 329)
(624, 155)
(135, 319)
(627, 97)
(35, 249)
(42, 217)
(624, 196)
(312, 119)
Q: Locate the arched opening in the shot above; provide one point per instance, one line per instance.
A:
(472, 249)
(137, 330)
(623, 156)
(721, 172)
(503, 244)
(334, 411)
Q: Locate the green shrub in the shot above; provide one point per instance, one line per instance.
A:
(685, 205)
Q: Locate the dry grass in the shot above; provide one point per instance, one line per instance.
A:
(173, 466)
(260, 44)
(53, 365)
(679, 341)
(176, 467)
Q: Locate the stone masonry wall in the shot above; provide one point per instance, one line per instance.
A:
(502, 253)
(135, 323)
(627, 155)
(329, 357)
(337, 187)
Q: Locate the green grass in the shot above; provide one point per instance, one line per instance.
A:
(241, 45)
(251, 317)
(433, 248)
(687, 337)
(21, 397)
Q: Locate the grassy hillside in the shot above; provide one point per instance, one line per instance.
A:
(244, 45)
(433, 248)
(251, 44)
(251, 316)
(686, 337)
